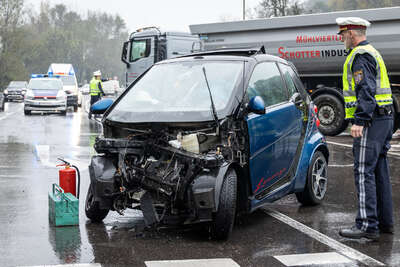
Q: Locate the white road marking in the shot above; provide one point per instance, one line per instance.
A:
(69, 265)
(350, 146)
(43, 153)
(313, 258)
(330, 242)
(7, 115)
(13, 176)
(343, 165)
(223, 262)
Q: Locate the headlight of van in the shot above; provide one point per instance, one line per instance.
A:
(6, 91)
(29, 94)
(61, 95)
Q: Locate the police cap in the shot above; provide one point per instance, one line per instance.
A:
(351, 23)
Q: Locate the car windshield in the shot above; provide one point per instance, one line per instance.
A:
(54, 84)
(180, 87)
(17, 85)
(68, 80)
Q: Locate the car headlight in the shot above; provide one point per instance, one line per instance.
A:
(6, 91)
(23, 92)
(61, 95)
(29, 95)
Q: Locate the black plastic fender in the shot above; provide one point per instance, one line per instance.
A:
(102, 170)
(210, 183)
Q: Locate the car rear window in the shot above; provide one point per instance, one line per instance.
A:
(36, 84)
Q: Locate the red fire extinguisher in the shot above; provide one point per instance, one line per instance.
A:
(67, 178)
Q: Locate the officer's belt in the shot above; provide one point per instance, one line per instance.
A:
(384, 110)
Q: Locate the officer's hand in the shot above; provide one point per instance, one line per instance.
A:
(356, 130)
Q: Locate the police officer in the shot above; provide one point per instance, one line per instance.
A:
(96, 90)
(368, 105)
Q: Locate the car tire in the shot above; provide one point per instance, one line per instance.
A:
(331, 114)
(76, 108)
(316, 183)
(64, 113)
(224, 218)
(92, 209)
(27, 112)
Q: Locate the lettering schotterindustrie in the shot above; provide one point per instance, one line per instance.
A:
(316, 53)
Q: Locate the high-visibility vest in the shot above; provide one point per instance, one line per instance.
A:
(94, 87)
(383, 95)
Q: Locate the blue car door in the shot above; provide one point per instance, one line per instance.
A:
(274, 136)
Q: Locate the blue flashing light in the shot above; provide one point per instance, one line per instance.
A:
(71, 73)
(50, 73)
(38, 75)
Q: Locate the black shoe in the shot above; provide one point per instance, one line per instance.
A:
(356, 233)
(386, 229)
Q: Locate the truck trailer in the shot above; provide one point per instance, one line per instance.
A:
(312, 44)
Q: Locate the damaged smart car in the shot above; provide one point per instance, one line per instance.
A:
(204, 137)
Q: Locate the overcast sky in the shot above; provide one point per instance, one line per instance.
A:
(167, 14)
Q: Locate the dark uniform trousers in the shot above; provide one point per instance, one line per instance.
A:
(371, 172)
(93, 99)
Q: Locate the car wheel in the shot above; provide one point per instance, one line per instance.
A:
(224, 218)
(331, 115)
(92, 210)
(76, 108)
(64, 113)
(316, 183)
(27, 112)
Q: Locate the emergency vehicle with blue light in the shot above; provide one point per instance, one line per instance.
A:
(66, 73)
(45, 94)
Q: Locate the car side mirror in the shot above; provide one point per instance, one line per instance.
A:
(296, 99)
(256, 105)
(101, 106)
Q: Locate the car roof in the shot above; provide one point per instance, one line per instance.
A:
(257, 54)
(46, 78)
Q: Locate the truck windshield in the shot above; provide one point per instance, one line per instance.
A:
(180, 87)
(139, 49)
(53, 84)
(68, 80)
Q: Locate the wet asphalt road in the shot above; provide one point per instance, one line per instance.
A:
(30, 145)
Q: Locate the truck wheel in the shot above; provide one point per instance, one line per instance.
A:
(92, 210)
(316, 183)
(224, 218)
(331, 114)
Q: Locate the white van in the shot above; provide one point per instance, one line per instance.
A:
(66, 73)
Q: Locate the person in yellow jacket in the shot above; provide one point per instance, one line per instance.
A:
(96, 89)
(369, 107)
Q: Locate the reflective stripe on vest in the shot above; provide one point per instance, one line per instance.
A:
(383, 95)
(94, 87)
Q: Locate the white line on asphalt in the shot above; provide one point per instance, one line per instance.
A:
(69, 265)
(313, 259)
(13, 176)
(338, 165)
(43, 153)
(336, 245)
(7, 115)
(223, 262)
(346, 145)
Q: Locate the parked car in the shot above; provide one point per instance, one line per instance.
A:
(15, 90)
(2, 100)
(202, 138)
(45, 94)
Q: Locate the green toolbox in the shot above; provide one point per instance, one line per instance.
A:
(63, 207)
